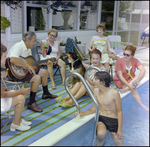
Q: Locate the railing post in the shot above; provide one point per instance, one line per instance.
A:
(90, 91)
(97, 109)
(69, 92)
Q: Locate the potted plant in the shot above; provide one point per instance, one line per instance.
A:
(62, 44)
(5, 23)
(77, 42)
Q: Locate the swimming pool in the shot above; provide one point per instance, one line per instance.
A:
(135, 125)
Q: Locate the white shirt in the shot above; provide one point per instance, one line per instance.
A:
(54, 49)
(19, 49)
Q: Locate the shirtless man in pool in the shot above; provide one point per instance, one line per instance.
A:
(110, 114)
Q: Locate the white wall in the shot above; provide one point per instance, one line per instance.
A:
(83, 36)
(9, 39)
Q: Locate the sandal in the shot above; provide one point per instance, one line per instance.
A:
(64, 104)
(59, 99)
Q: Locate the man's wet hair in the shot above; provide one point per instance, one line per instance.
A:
(28, 35)
(104, 77)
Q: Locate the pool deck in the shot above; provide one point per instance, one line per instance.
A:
(142, 54)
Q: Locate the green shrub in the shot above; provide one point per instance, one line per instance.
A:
(5, 23)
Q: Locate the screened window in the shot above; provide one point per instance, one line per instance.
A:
(65, 19)
(107, 14)
(37, 19)
(88, 15)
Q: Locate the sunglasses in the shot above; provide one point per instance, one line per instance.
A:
(126, 54)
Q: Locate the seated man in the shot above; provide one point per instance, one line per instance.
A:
(110, 114)
(23, 48)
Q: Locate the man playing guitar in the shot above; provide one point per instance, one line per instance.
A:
(23, 49)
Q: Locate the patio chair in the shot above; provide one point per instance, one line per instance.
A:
(115, 43)
(16, 85)
(71, 46)
(78, 51)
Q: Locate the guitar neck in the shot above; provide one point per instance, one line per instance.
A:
(38, 62)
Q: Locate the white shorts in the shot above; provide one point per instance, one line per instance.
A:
(6, 104)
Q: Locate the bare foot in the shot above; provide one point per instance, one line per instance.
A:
(123, 90)
(99, 142)
(66, 99)
(70, 103)
(145, 107)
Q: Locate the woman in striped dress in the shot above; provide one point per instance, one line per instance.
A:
(101, 43)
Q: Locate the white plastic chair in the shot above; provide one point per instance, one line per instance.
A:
(115, 41)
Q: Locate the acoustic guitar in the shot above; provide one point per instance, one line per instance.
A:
(17, 73)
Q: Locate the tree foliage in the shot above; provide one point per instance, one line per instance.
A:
(5, 23)
(124, 8)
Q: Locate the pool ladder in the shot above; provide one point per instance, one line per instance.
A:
(90, 92)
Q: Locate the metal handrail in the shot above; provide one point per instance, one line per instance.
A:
(90, 93)
(97, 109)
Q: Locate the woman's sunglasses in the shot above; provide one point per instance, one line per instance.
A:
(126, 54)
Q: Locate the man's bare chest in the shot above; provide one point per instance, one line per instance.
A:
(106, 101)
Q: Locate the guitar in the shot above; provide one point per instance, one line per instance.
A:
(18, 73)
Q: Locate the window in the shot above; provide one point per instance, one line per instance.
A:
(65, 19)
(35, 19)
(124, 38)
(107, 14)
(124, 15)
(88, 15)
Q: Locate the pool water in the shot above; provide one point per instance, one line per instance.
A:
(135, 125)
